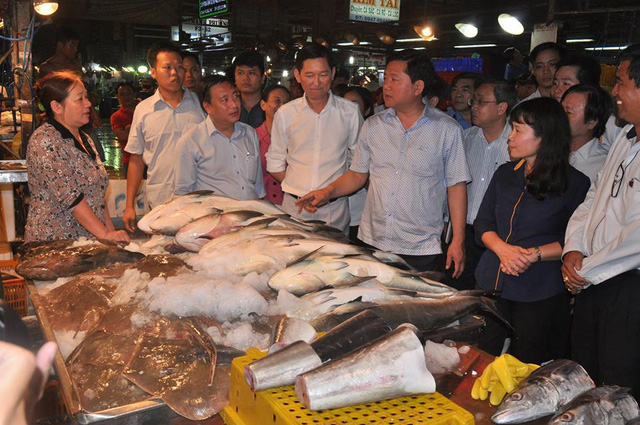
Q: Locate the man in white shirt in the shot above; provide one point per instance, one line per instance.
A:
(158, 122)
(588, 108)
(485, 145)
(414, 158)
(312, 137)
(602, 251)
(220, 154)
(544, 58)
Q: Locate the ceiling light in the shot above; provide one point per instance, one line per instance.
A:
(606, 48)
(142, 69)
(351, 60)
(467, 30)
(362, 43)
(407, 40)
(579, 40)
(268, 58)
(285, 73)
(385, 38)
(425, 32)
(45, 7)
(510, 24)
(473, 46)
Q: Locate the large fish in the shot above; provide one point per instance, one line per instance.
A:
(200, 231)
(170, 224)
(54, 263)
(389, 367)
(281, 367)
(288, 330)
(426, 314)
(544, 392)
(311, 275)
(168, 208)
(608, 405)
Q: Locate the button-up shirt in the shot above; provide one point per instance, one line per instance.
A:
(483, 158)
(589, 158)
(312, 147)
(254, 117)
(209, 160)
(409, 172)
(155, 130)
(606, 226)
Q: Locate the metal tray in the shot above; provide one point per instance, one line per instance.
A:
(149, 411)
(14, 172)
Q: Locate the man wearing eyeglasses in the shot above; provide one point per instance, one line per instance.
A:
(601, 258)
(485, 145)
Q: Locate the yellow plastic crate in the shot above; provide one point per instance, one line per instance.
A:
(280, 406)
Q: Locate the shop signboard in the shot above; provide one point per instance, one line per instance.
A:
(208, 8)
(374, 10)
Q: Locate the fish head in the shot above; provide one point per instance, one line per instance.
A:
(525, 404)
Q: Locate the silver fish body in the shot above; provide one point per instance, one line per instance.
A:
(391, 366)
(196, 234)
(172, 206)
(543, 392)
(289, 330)
(608, 405)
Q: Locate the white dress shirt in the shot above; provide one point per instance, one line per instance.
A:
(155, 130)
(209, 160)
(590, 158)
(606, 226)
(536, 94)
(409, 173)
(311, 147)
(611, 132)
(483, 159)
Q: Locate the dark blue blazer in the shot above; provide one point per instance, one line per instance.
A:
(535, 223)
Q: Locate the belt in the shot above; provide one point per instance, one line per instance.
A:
(296, 197)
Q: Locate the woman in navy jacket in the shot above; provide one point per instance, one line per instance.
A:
(522, 222)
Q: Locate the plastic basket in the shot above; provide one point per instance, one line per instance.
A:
(14, 291)
(280, 406)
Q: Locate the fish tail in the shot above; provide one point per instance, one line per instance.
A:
(489, 305)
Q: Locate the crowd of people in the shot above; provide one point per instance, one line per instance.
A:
(533, 198)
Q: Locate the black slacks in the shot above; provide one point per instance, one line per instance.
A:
(605, 336)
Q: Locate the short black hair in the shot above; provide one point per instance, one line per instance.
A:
(632, 54)
(210, 81)
(550, 175)
(543, 47)
(340, 89)
(64, 34)
(313, 51)
(270, 89)
(598, 108)
(419, 66)
(192, 56)
(248, 58)
(476, 78)
(437, 88)
(366, 96)
(161, 46)
(588, 68)
(503, 91)
(125, 84)
(509, 53)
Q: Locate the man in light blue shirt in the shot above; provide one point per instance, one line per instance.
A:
(414, 159)
(220, 154)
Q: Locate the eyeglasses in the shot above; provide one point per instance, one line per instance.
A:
(473, 102)
(619, 177)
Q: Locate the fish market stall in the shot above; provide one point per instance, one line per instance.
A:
(153, 329)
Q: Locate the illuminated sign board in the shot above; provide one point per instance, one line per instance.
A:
(374, 10)
(208, 8)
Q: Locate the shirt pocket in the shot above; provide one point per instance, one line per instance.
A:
(421, 162)
(252, 166)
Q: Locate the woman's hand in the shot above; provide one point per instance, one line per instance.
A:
(116, 235)
(515, 259)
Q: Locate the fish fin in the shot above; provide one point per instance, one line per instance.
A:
(437, 276)
(490, 306)
(314, 222)
(390, 259)
(305, 256)
(262, 222)
(201, 192)
(354, 281)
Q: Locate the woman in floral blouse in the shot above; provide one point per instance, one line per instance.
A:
(67, 180)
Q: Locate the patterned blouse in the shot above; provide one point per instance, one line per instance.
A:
(62, 174)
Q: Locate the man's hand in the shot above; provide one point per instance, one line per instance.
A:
(571, 263)
(313, 200)
(455, 254)
(129, 219)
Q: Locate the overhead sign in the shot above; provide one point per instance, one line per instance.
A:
(374, 10)
(218, 36)
(208, 8)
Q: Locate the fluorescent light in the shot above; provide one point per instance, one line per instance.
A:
(407, 40)
(510, 24)
(467, 30)
(285, 73)
(362, 43)
(351, 60)
(606, 48)
(473, 46)
(579, 40)
(142, 69)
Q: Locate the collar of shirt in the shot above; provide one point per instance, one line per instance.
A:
(390, 114)
(330, 103)
(631, 134)
(238, 130)
(66, 134)
(502, 137)
(587, 150)
(157, 97)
